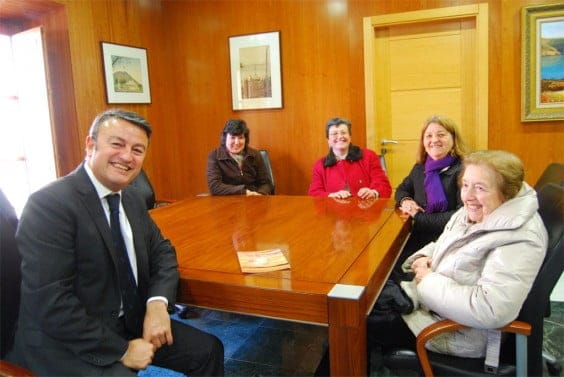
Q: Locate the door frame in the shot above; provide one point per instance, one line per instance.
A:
(477, 11)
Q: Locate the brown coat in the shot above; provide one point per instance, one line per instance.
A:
(225, 177)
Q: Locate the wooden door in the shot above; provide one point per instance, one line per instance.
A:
(426, 66)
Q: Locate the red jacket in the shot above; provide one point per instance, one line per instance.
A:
(365, 172)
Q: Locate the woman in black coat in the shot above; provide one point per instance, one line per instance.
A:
(429, 195)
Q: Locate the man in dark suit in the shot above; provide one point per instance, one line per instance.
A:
(10, 261)
(74, 317)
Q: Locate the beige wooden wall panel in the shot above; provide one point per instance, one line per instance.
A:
(430, 62)
(422, 104)
(322, 68)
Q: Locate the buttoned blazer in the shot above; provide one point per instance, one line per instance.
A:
(70, 294)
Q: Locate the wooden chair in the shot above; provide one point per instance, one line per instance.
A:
(529, 357)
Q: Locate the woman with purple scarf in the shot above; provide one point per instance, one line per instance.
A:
(429, 195)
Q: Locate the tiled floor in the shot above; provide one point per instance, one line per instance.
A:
(266, 347)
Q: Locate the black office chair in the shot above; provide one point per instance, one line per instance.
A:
(10, 278)
(531, 316)
(383, 163)
(553, 173)
(266, 159)
(144, 186)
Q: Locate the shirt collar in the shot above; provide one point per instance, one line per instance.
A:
(101, 190)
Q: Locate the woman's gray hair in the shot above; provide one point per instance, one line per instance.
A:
(509, 169)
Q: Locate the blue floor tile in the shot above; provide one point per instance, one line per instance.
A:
(257, 346)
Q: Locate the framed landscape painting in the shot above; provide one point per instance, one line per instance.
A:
(542, 93)
(126, 73)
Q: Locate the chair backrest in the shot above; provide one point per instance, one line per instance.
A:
(143, 185)
(383, 163)
(10, 274)
(553, 173)
(266, 159)
(551, 210)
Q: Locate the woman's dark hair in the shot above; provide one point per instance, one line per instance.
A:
(355, 153)
(336, 122)
(235, 127)
(128, 116)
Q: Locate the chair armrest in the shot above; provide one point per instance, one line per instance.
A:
(8, 369)
(447, 325)
(517, 327)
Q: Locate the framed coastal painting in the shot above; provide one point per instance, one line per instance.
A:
(256, 81)
(126, 73)
(542, 71)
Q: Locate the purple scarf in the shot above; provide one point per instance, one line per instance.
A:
(436, 198)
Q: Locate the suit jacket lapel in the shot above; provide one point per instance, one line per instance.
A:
(135, 215)
(93, 206)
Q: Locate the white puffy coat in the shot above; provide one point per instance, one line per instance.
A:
(481, 273)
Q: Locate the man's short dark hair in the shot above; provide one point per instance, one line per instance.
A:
(128, 116)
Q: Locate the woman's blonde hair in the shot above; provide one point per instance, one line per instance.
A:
(458, 145)
(509, 169)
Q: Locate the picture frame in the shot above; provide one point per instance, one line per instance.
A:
(542, 71)
(256, 81)
(126, 73)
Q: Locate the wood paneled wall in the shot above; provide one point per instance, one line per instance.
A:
(322, 75)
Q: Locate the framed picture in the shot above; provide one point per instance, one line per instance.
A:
(126, 73)
(542, 73)
(255, 71)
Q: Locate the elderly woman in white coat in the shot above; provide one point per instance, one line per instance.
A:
(481, 268)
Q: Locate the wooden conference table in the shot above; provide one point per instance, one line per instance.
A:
(340, 252)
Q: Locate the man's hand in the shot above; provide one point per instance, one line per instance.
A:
(252, 193)
(139, 354)
(156, 326)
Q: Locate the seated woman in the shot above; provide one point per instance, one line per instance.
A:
(235, 168)
(429, 195)
(481, 268)
(348, 170)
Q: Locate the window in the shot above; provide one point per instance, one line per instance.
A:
(26, 146)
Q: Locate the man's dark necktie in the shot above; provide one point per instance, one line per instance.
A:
(129, 294)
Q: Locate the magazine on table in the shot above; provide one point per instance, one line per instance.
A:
(263, 260)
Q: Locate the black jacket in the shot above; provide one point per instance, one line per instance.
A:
(428, 226)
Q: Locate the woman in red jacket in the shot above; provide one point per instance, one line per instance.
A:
(348, 170)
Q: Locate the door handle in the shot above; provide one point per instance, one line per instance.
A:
(384, 150)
